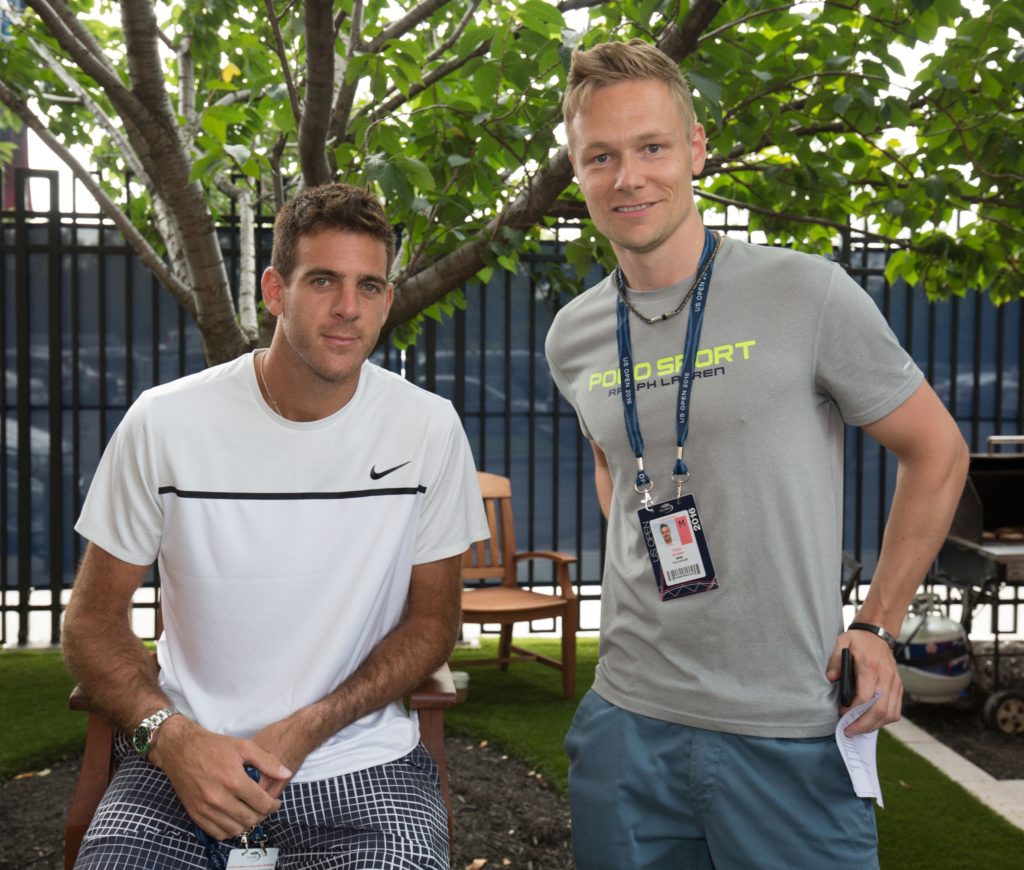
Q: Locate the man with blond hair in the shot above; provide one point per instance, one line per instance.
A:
(309, 544)
(736, 367)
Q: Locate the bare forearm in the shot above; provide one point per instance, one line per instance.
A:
(397, 665)
(926, 496)
(102, 652)
(419, 645)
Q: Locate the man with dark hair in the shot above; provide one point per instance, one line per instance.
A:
(715, 687)
(309, 547)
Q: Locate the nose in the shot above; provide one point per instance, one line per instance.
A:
(629, 176)
(346, 302)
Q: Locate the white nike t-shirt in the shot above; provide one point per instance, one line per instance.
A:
(284, 548)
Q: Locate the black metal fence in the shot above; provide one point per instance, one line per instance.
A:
(86, 328)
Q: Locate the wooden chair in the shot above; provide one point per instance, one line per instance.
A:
(507, 603)
(429, 699)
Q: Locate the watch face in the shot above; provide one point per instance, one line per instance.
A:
(140, 739)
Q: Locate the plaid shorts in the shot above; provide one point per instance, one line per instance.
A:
(389, 817)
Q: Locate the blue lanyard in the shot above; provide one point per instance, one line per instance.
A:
(698, 306)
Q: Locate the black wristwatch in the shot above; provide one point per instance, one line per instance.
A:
(145, 731)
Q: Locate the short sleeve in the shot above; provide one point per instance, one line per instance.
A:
(451, 511)
(563, 385)
(859, 362)
(122, 511)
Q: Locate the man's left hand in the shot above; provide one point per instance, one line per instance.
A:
(874, 671)
(285, 740)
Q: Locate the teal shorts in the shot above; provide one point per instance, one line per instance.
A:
(660, 796)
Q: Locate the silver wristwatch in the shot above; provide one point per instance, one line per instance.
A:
(145, 731)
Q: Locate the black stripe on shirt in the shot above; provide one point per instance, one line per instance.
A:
(291, 496)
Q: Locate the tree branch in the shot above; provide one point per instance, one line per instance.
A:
(164, 224)
(318, 17)
(81, 47)
(275, 164)
(186, 80)
(283, 57)
(382, 110)
(787, 84)
(342, 108)
(247, 256)
(132, 236)
(60, 20)
(145, 70)
(454, 269)
(681, 41)
(718, 31)
(801, 219)
(401, 27)
(457, 31)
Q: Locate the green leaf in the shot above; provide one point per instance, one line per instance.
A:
(240, 153)
(202, 166)
(841, 103)
(895, 207)
(416, 171)
(542, 18)
(215, 126)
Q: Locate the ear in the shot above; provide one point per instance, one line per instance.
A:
(698, 149)
(389, 300)
(272, 285)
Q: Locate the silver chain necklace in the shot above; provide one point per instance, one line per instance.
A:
(620, 286)
(266, 386)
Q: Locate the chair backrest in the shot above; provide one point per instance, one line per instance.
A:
(487, 560)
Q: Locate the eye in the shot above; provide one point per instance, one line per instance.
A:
(601, 159)
(321, 281)
(652, 149)
(373, 287)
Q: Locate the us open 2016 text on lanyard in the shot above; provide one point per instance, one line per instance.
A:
(672, 530)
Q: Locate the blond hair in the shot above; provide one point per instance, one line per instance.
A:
(612, 62)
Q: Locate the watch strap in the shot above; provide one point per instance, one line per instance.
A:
(876, 630)
(145, 731)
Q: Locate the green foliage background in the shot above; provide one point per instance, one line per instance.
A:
(449, 108)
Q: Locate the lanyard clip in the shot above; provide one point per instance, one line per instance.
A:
(680, 474)
(644, 485)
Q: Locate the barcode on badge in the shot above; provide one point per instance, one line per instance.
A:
(685, 571)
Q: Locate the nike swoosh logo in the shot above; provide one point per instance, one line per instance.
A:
(377, 475)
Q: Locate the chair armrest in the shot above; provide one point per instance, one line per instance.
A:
(562, 562)
(80, 701)
(435, 693)
(552, 555)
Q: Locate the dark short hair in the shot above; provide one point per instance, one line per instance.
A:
(328, 207)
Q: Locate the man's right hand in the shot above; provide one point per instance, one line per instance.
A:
(208, 775)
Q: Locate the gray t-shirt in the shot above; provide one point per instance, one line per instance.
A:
(791, 349)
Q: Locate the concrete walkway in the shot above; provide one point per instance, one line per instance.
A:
(1006, 796)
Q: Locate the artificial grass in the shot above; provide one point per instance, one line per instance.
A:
(522, 710)
(36, 726)
(929, 822)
